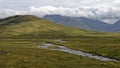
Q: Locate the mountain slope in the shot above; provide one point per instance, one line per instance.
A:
(17, 19)
(79, 22)
(67, 21)
(116, 26)
(32, 25)
(24, 26)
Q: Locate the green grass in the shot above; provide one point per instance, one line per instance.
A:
(53, 47)
(22, 53)
(20, 36)
(105, 46)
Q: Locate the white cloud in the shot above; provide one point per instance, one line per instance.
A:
(101, 13)
(103, 10)
(57, 3)
(10, 12)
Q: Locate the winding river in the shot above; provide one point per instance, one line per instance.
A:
(71, 51)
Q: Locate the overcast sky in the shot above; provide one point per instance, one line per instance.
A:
(107, 10)
(24, 4)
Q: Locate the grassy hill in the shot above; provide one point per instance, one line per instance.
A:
(27, 25)
(21, 35)
(32, 25)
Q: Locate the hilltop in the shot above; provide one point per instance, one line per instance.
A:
(33, 25)
(22, 35)
(29, 25)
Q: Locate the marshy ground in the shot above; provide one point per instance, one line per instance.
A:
(23, 53)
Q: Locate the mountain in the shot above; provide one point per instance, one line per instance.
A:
(17, 19)
(28, 26)
(81, 22)
(67, 21)
(116, 26)
(34, 26)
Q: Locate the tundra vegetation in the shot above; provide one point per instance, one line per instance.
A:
(21, 35)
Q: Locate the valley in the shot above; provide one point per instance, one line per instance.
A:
(21, 35)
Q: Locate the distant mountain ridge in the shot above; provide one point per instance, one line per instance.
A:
(116, 26)
(84, 23)
(29, 25)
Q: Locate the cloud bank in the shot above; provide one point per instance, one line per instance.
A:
(101, 13)
(107, 10)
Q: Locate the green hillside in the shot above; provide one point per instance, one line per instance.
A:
(21, 35)
(28, 25)
(32, 25)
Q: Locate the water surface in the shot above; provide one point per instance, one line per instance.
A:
(76, 52)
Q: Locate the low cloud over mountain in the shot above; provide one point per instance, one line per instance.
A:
(102, 13)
